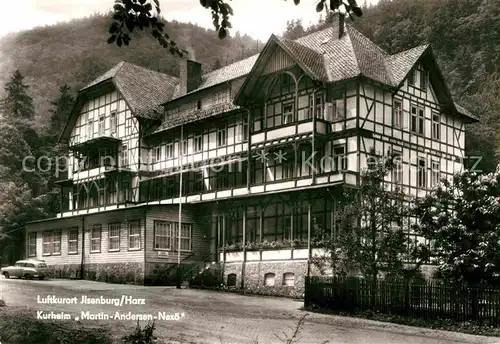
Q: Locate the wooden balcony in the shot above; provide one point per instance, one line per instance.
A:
(95, 143)
(292, 132)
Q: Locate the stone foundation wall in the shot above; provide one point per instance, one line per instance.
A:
(105, 272)
(64, 271)
(115, 272)
(254, 273)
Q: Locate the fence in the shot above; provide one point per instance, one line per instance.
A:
(429, 300)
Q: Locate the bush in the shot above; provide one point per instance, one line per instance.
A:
(210, 278)
(141, 335)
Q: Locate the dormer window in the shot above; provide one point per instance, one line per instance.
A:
(219, 97)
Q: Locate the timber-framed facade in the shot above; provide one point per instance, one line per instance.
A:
(249, 159)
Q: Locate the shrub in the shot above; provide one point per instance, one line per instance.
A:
(141, 335)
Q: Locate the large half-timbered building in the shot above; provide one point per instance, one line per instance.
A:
(248, 158)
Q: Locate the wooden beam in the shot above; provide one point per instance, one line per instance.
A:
(309, 224)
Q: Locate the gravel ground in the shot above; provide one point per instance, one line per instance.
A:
(214, 317)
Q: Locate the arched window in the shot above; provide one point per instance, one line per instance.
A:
(82, 198)
(93, 195)
(269, 279)
(289, 279)
(231, 280)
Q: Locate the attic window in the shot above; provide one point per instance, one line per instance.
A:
(411, 78)
(423, 80)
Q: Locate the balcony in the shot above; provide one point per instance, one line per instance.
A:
(95, 143)
(63, 179)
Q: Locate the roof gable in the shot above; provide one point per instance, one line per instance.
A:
(309, 60)
(144, 91)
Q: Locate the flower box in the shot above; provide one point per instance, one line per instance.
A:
(234, 256)
(301, 253)
(276, 254)
(253, 255)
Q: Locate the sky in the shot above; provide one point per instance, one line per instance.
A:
(248, 18)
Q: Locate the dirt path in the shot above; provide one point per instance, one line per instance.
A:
(213, 317)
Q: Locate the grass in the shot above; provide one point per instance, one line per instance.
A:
(18, 326)
(439, 324)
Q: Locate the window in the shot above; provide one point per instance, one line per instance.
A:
(339, 158)
(134, 235)
(198, 142)
(32, 244)
(338, 109)
(163, 234)
(124, 156)
(114, 237)
(316, 108)
(219, 97)
(289, 279)
(411, 77)
(231, 280)
(436, 123)
(156, 156)
(435, 173)
(166, 236)
(95, 238)
(47, 243)
(56, 242)
(421, 173)
(101, 125)
(417, 120)
(112, 122)
(73, 241)
(287, 113)
(184, 147)
(397, 115)
(397, 172)
(169, 150)
(90, 128)
(423, 80)
(269, 279)
(221, 136)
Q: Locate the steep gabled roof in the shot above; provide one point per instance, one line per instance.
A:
(143, 89)
(322, 55)
(400, 64)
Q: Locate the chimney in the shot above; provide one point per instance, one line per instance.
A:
(341, 24)
(190, 75)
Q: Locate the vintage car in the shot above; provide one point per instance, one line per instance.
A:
(28, 268)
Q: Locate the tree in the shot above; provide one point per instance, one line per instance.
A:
(294, 29)
(18, 104)
(131, 14)
(461, 218)
(60, 113)
(371, 238)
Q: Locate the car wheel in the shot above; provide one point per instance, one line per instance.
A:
(6, 275)
(27, 276)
